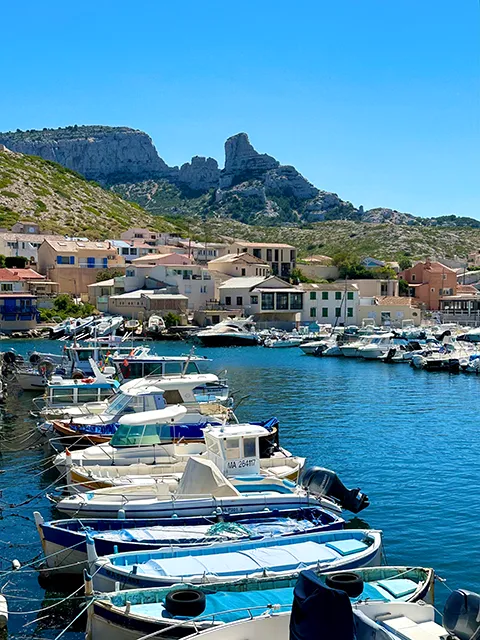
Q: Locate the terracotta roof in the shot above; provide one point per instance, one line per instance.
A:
(8, 276)
(267, 245)
(26, 274)
(466, 288)
(397, 300)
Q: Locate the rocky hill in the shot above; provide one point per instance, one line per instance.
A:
(63, 201)
(252, 187)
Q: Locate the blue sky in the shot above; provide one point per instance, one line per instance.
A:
(377, 100)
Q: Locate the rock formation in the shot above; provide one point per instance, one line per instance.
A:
(200, 174)
(242, 162)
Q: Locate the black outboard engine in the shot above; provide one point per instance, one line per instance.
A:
(323, 482)
(461, 615)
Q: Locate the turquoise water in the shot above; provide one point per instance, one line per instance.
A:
(410, 439)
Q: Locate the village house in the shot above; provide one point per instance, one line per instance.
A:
(18, 306)
(335, 304)
(74, 264)
(271, 301)
(239, 265)
(25, 245)
(390, 311)
(282, 258)
(319, 267)
(202, 252)
(141, 304)
(429, 281)
(143, 235)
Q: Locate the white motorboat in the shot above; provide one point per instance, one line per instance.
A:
(155, 324)
(310, 347)
(377, 346)
(231, 332)
(106, 326)
(352, 349)
(283, 342)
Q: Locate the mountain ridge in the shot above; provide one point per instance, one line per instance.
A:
(252, 187)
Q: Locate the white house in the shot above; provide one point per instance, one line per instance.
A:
(241, 265)
(271, 301)
(330, 304)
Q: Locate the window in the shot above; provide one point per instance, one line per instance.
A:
(444, 276)
(257, 253)
(313, 295)
(313, 312)
(228, 300)
(282, 301)
(244, 272)
(249, 448)
(233, 448)
(239, 300)
(383, 289)
(324, 312)
(253, 299)
(296, 301)
(432, 289)
(276, 255)
(130, 273)
(65, 260)
(413, 277)
(292, 255)
(7, 286)
(350, 295)
(338, 295)
(324, 295)
(268, 301)
(338, 312)
(269, 255)
(350, 312)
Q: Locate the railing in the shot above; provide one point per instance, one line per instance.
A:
(93, 265)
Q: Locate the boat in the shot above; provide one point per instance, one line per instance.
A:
(226, 562)
(106, 326)
(132, 324)
(255, 448)
(225, 603)
(67, 397)
(231, 332)
(155, 324)
(321, 612)
(351, 349)
(64, 541)
(310, 347)
(172, 435)
(284, 341)
(100, 420)
(203, 489)
(378, 345)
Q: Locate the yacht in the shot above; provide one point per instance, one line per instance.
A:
(231, 332)
(378, 345)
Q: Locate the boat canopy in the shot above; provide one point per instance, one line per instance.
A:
(159, 416)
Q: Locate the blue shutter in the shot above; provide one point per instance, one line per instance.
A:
(59, 259)
(105, 262)
(90, 263)
(72, 259)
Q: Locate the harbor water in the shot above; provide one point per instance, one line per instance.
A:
(408, 438)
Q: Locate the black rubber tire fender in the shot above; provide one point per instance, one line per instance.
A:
(347, 581)
(188, 603)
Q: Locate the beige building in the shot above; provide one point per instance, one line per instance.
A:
(26, 245)
(239, 265)
(140, 234)
(390, 310)
(336, 303)
(375, 287)
(142, 304)
(282, 258)
(74, 264)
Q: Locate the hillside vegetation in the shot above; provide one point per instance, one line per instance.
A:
(384, 241)
(62, 201)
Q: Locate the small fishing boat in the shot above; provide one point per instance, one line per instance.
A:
(203, 490)
(227, 562)
(64, 541)
(282, 342)
(150, 611)
(106, 326)
(155, 324)
(330, 614)
(172, 434)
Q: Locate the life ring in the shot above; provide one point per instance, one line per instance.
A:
(346, 581)
(188, 603)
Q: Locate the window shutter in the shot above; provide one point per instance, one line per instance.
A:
(59, 259)
(72, 259)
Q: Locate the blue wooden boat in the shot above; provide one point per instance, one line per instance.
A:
(226, 562)
(111, 619)
(64, 541)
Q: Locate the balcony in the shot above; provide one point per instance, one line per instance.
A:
(97, 264)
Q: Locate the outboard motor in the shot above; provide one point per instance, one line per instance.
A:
(391, 352)
(323, 482)
(461, 615)
(320, 612)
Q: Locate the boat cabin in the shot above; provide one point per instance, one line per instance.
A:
(235, 449)
(62, 392)
(190, 389)
(143, 365)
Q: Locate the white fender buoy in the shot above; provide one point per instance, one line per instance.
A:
(16, 565)
(3, 612)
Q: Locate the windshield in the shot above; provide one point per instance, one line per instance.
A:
(118, 404)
